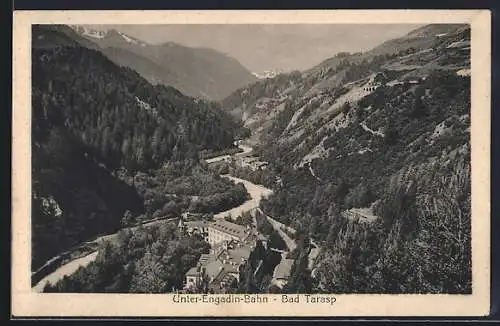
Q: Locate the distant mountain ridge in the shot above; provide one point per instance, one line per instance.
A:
(92, 118)
(197, 72)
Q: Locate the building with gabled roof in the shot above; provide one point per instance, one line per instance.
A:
(195, 227)
(222, 266)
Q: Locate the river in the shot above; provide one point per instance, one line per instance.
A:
(73, 265)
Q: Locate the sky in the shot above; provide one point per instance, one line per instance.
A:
(262, 47)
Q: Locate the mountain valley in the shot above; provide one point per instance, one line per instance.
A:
(364, 160)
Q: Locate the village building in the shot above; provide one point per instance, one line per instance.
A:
(231, 246)
(217, 231)
(221, 268)
(364, 215)
(220, 231)
(188, 216)
(251, 162)
(412, 81)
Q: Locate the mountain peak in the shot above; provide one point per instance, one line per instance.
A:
(99, 34)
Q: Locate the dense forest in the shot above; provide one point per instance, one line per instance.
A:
(73, 197)
(183, 186)
(419, 170)
(401, 152)
(108, 145)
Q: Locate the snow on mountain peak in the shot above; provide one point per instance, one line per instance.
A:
(90, 32)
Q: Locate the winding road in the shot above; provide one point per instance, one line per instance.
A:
(257, 192)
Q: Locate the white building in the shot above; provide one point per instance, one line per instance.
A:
(282, 272)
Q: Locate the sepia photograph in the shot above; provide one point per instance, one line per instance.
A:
(231, 164)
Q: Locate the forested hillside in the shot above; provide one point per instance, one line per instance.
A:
(414, 181)
(92, 119)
